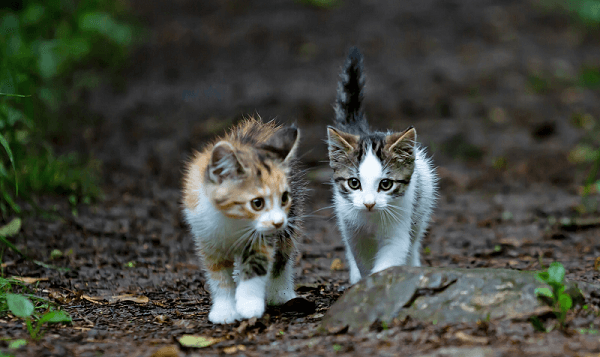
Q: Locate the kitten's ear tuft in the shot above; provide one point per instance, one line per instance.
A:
(224, 163)
(340, 142)
(283, 143)
(402, 144)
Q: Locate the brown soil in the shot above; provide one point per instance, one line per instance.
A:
(460, 72)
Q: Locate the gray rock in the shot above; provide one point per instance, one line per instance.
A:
(442, 295)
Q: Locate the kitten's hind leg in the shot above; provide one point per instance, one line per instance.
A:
(281, 287)
(415, 249)
(222, 292)
(251, 289)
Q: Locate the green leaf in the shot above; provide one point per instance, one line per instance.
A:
(19, 305)
(543, 292)
(537, 324)
(198, 341)
(11, 229)
(50, 266)
(565, 302)
(15, 95)
(556, 273)
(543, 276)
(11, 158)
(55, 254)
(18, 343)
(33, 14)
(56, 316)
(48, 60)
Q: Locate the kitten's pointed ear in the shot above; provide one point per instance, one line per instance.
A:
(224, 163)
(340, 142)
(283, 143)
(402, 144)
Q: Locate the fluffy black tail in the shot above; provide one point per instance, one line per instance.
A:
(349, 116)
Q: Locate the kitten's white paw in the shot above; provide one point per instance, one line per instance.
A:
(250, 307)
(223, 312)
(250, 297)
(281, 297)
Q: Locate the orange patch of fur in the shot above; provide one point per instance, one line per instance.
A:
(231, 198)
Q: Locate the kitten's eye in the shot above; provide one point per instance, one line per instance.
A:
(258, 203)
(354, 183)
(285, 198)
(386, 184)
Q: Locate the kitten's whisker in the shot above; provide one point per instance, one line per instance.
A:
(247, 233)
(323, 208)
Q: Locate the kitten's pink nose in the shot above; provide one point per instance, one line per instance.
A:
(278, 224)
(369, 206)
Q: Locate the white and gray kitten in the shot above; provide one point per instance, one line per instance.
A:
(383, 183)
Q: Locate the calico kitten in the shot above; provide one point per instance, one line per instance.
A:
(243, 200)
(383, 183)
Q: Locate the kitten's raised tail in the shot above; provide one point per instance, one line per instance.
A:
(349, 116)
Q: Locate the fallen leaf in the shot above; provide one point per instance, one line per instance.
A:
(511, 241)
(471, 339)
(597, 264)
(161, 319)
(129, 297)
(60, 297)
(233, 349)
(167, 351)
(337, 264)
(28, 280)
(94, 299)
(196, 341)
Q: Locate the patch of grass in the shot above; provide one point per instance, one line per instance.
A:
(51, 53)
(587, 155)
(22, 307)
(36, 311)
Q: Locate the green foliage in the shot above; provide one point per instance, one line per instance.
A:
(21, 306)
(586, 12)
(50, 53)
(590, 77)
(539, 84)
(18, 343)
(322, 4)
(560, 301)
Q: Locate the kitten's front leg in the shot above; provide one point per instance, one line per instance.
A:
(392, 253)
(354, 271)
(251, 290)
(222, 292)
(281, 287)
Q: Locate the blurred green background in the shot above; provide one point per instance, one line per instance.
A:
(51, 53)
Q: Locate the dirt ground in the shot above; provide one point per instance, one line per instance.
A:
(461, 72)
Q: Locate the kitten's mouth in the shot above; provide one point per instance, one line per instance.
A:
(272, 230)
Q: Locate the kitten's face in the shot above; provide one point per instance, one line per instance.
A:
(251, 184)
(371, 172)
